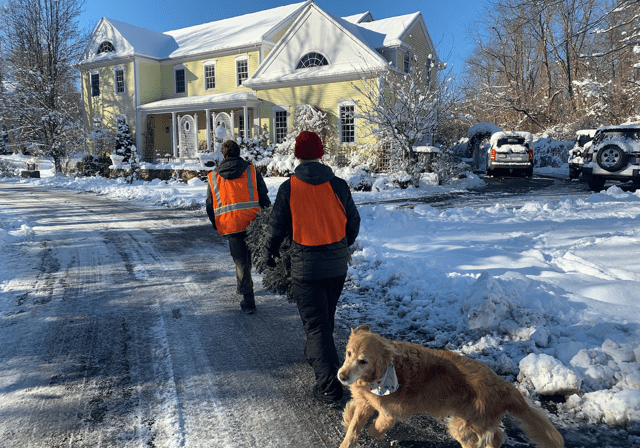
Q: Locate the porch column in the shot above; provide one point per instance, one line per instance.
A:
(256, 122)
(245, 111)
(233, 125)
(175, 134)
(195, 119)
(208, 118)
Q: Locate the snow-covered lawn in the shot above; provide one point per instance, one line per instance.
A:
(547, 293)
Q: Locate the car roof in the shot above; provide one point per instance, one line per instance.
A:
(620, 127)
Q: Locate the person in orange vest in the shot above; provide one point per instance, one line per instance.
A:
(235, 195)
(316, 209)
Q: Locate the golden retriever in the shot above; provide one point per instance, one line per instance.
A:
(436, 382)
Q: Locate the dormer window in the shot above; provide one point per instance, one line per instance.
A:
(106, 47)
(312, 59)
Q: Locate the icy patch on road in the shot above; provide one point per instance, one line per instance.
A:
(170, 424)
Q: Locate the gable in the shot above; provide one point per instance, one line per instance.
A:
(126, 40)
(342, 43)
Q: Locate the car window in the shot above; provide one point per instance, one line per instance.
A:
(511, 141)
(582, 140)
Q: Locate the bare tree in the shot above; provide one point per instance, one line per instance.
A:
(41, 41)
(554, 64)
(406, 109)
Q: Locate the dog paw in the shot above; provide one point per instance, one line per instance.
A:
(374, 433)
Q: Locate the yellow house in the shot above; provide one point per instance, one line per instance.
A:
(243, 73)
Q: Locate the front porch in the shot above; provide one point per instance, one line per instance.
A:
(185, 129)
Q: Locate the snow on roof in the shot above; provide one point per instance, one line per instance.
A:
(483, 128)
(392, 28)
(359, 18)
(245, 30)
(176, 103)
(589, 132)
(234, 32)
(619, 126)
(528, 138)
(142, 41)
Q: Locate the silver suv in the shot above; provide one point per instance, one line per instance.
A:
(509, 152)
(614, 155)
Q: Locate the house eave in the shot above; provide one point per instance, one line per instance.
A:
(105, 62)
(289, 81)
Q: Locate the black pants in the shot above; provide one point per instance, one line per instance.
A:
(242, 258)
(317, 301)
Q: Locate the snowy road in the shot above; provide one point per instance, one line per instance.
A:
(121, 327)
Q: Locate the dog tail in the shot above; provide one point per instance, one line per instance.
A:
(534, 422)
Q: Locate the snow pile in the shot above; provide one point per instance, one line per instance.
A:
(546, 293)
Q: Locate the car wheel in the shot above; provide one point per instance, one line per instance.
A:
(611, 158)
(528, 172)
(596, 183)
(574, 173)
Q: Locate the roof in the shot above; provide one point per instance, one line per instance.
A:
(352, 49)
(359, 18)
(393, 29)
(188, 103)
(236, 32)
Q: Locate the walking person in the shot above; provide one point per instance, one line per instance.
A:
(316, 209)
(235, 195)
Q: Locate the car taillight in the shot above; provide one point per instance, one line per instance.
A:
(493, 153)
(530, 155)
(588, 156)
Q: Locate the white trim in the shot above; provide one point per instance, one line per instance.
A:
(342, 103)
(175, 81)
(241, 57)
(115, 80)
(138, 115)
(205, 64)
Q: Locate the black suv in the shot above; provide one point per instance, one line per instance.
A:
(614, 155)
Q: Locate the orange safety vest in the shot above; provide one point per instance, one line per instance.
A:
(318, 215)
(235, 201)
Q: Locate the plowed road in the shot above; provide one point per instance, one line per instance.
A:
(120, 327)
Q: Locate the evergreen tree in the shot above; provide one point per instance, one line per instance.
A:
(123, 140)
(277, 279)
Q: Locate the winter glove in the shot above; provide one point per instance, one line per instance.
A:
(267, 255)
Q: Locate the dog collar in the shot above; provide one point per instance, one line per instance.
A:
(386, 385)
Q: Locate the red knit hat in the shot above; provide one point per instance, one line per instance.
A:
(308, 146)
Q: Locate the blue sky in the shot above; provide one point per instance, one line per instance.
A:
(447, 20)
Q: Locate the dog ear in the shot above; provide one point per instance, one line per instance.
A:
(360, 328)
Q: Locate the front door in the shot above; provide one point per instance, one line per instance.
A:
(188, 137)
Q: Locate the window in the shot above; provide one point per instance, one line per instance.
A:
(312, 60)
(95, 84)
(242, 70)
(106, 47)
(347, 124)
(118, 80)
(180, 74)
(407, 62)
(209, 76)
(280, 123)
(241, 126)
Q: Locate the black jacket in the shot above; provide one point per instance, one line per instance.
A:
(314, 262)
(232, 168)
